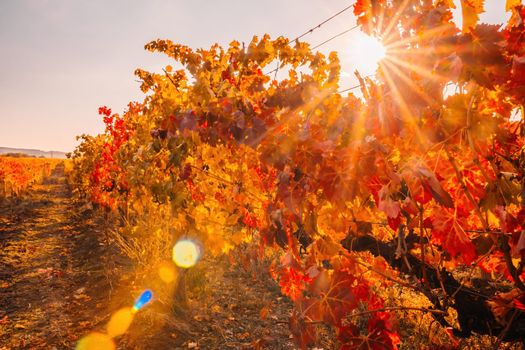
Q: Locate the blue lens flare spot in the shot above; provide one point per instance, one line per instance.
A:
(144, 298)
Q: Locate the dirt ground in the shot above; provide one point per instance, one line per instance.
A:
(60, 279)
(53, 280)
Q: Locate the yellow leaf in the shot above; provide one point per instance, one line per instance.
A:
(449, 3)
(470, 10)
(511, 4)
(492, 219)
(216, 309)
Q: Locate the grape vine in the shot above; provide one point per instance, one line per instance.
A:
(401, 186)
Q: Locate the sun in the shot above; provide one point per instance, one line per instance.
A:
(366, 52)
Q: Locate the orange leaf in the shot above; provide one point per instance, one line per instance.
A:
(511, 4)
(470, 10)
(263, 314)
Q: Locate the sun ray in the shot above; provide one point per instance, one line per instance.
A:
(381, 19)
(410, 83)
(357, 133)
(406, 113)
(419, 52)
(419, 70)
(428, 34)
(306, 110)
(393, 21)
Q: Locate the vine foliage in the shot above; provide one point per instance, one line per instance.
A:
(401, 185)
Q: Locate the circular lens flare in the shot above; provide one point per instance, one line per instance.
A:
(96, 341)
(167, 272)
(120, 322)
(185, 254)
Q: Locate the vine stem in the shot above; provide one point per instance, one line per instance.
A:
(506, 329)
(383, 309)
(169, 77)
(385, 224)
(505, 248)
(370, 268)
(225, 181)
(400, 308)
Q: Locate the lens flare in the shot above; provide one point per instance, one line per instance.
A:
(167, 272)
(120, 322)
(185, 254)
(96, 341)
(144, 298)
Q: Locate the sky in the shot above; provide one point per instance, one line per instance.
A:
(62, 59)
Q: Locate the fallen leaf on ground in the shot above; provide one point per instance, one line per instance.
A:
(216, 308)
(264, 312)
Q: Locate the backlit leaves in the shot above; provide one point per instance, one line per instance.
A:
(224, 153)
(449, 231)
(510, 4)
(470, 10)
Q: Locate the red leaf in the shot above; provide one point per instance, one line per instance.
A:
(303, 332)
(520, 304)
(394, 222)
(431, 183)
(293, 282)
(451, 235)
(387, 204)
(348, 335)
(334, 296)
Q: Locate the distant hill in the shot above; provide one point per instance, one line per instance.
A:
(33, 152)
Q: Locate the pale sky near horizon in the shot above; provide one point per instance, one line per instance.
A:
(62, 59)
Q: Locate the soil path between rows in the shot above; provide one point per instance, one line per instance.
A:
(60, 279)
(49, 255)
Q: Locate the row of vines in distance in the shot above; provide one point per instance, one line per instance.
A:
(17, 174)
